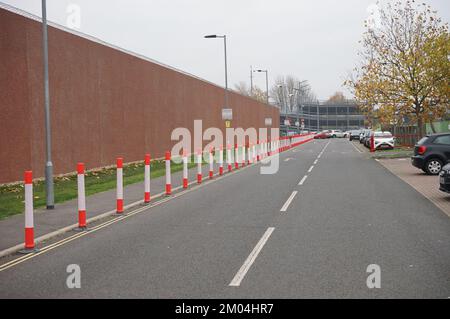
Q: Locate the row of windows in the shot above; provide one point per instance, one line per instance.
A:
(330, 110)
(330, 124)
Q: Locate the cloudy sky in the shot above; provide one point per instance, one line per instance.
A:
(314, 40)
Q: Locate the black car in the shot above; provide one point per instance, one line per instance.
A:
(354, 135)
(444, 179)
(431, 153)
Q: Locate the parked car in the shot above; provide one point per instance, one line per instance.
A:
(337, 133)
(381, 140)
(362, 135)
(444, 179)
(322, 135)
(365, 137)
(354, 135)
(431, 153)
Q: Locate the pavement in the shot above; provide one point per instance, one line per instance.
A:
(427, 185)
(65, 215)
(249, 235)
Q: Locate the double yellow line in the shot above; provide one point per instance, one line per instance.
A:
(64, 241)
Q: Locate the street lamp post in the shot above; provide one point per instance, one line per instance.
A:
(50, 197)
(299, 90)
(267, 83)
(224, 37)
(297, 123)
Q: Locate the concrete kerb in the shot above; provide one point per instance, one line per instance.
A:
(18, 247)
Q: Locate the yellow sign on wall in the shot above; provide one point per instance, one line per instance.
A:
(227, 124)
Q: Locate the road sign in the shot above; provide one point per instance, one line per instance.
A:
(227, 114)
(268, 121)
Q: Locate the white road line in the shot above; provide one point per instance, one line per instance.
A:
(315, 162)
(236, 282)
(303, 180)
(356, 147)
(310, 169)
(288, 202)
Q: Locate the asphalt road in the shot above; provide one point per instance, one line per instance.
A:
(229, 239)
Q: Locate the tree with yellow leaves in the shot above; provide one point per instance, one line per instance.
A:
(405, 67)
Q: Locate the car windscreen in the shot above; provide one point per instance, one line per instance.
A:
(383, 134)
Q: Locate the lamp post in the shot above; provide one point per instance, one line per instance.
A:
(301, 85)
(251, 81)
(224, 37)
(267, 83)
(50, 197)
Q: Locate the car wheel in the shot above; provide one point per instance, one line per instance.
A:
(433, 166)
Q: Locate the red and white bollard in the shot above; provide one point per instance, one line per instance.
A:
(199, 166)
(258, 151)
(254, 153)
(119, 191)
(263, 149)
(185, 170)
(211, 164)
(147, 179)
(221, 160)
(168, 181)
(249, 154)
(29, 221)
(229, 157)
(243, 155)
(236, 156)
(81, 197)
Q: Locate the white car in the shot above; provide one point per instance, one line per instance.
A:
(337, 133)
(383, 140)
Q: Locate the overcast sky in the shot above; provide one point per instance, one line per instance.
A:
(314, 40)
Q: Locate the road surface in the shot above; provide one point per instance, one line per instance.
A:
(262, 236)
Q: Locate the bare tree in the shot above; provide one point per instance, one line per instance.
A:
(257, 93)
(242, 88)
(289, 93)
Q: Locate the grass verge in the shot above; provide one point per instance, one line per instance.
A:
(12, 196)
(397, 152)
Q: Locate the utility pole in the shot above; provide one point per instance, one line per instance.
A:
(251, 81)
(49, 191)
